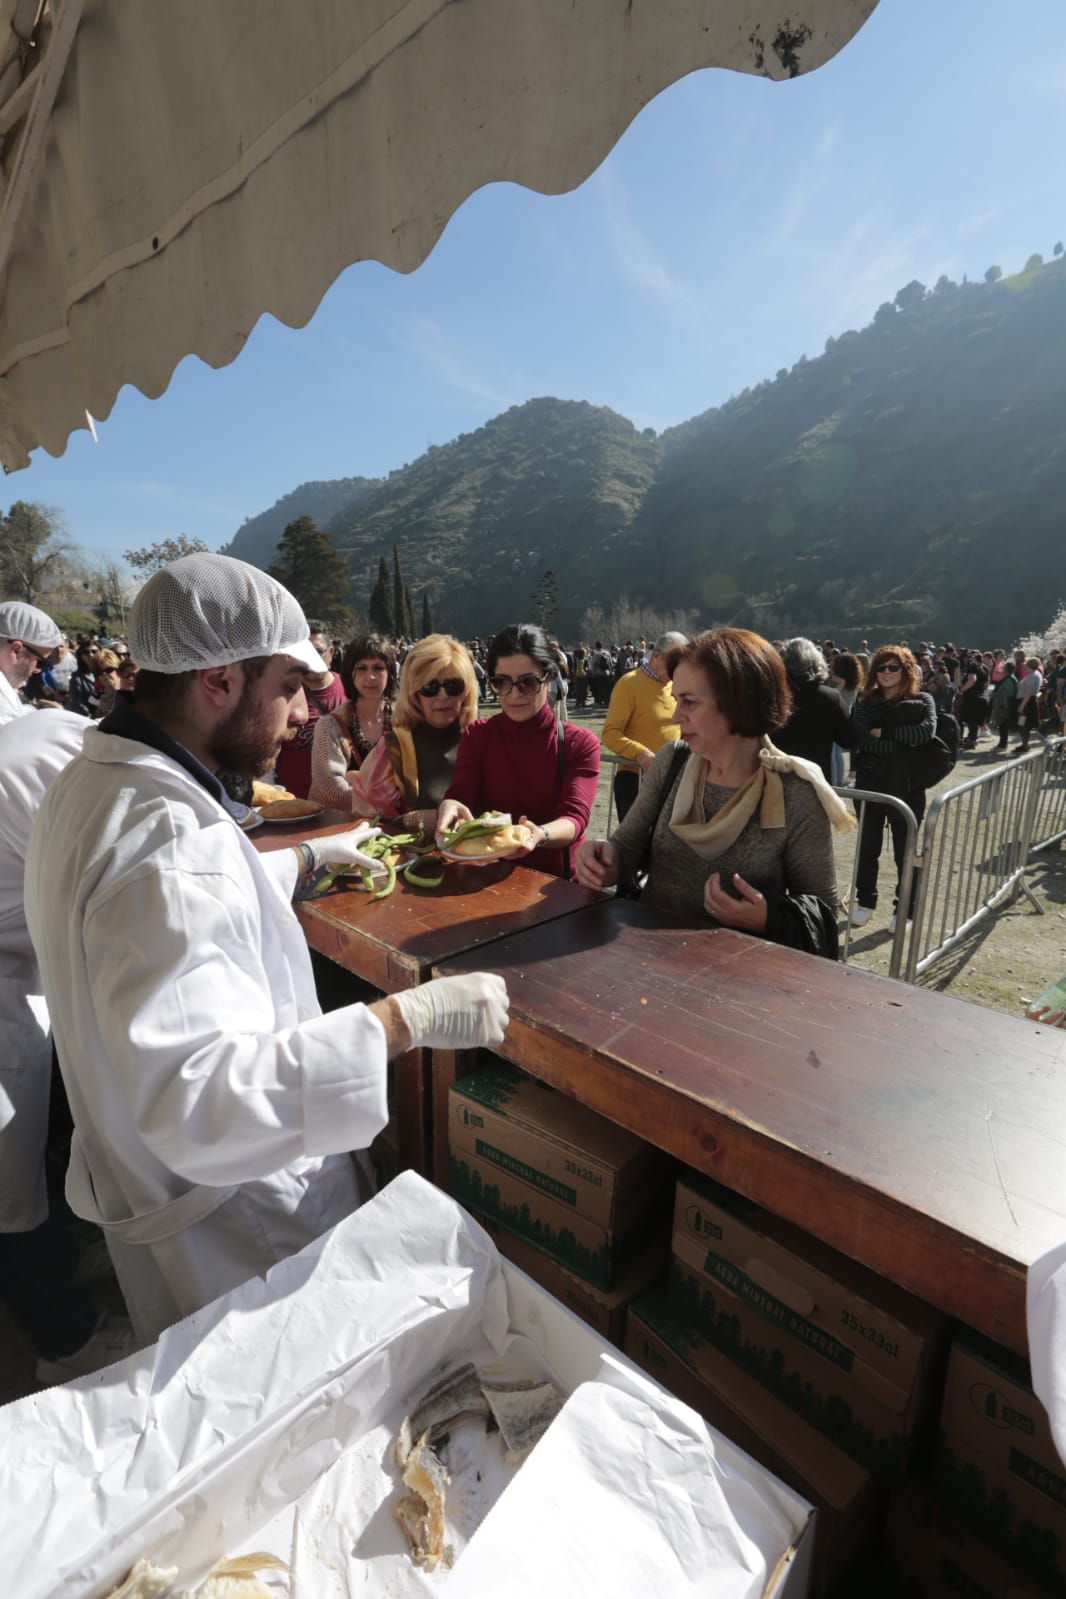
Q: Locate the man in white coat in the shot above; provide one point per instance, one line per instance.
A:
(214, 1105)
(26, 635)
(69, 1333)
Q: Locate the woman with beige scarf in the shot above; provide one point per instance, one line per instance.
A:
(734, 831)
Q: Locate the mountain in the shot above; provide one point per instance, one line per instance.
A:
(256, 540)
(909, 482)
(549, 485)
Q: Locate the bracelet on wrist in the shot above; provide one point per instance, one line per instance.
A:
(545, 835)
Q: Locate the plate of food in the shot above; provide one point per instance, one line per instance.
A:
(289, 810)
(492, 836)
(250, 819)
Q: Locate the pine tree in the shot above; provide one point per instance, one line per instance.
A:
(546, 599)
(401, 600)
(427, 615)
(380, 612)
(312, 569)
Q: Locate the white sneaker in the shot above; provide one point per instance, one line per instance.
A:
(860, 915)
(111, 1340)
(892, 922)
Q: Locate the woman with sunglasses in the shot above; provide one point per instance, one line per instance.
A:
(407, 773)
(542, 771)
(891, 718)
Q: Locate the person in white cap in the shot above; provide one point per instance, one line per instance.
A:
(39, 1262)
(26, 635)
(213, 1103)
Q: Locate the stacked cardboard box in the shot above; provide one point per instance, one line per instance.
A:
(997, 1470)
(584, 1191)
(603, 1308)
(928, 1554)
(845, 1495)
(853, 1354)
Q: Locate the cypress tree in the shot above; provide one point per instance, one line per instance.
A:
(427, 615)
(380, 612)
(401, 600)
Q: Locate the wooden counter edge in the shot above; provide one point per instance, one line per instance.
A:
(937, 1264)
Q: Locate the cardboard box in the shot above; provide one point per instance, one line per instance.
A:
(1018, 1510)
(846, 1497)
(598, 1254)
(989, 1400)
(553, 1173)
(562, 1149)
(881, 1337)
(604, 1309)
(997, 1468)
(804, 1376)
(927, 1554)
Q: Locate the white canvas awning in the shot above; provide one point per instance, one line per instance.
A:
(171, 169)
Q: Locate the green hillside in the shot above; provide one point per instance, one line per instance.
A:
(256, 540)
(909, 481)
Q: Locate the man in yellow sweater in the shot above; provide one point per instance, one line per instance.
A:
(640, 719)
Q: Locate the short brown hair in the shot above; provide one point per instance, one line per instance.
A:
(910, 680)
(747, 678)
(368, 647)
(166, 692)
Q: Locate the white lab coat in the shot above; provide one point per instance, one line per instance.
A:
(211, 1099)
(11, 703)
(33, 750)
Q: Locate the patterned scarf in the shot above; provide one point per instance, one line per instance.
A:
(763, 792)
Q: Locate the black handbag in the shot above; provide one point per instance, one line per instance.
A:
(633, 886)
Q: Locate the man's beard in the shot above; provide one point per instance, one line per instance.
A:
(246, 743)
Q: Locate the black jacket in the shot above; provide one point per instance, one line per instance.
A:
(818, 721)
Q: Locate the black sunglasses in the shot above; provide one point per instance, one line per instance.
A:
(890, 666)
(526, 684)
(452, 686)
(38, 655)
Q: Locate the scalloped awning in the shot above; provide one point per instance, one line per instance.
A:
(173, 169)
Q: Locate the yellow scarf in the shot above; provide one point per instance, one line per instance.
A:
(763, 792)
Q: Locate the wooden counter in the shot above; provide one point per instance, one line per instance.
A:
(919, 1134)
(396, 942)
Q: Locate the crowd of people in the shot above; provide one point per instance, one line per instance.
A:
(216, 1115)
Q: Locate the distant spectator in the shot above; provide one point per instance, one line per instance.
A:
(1004, 712)
(601, 665)
(846, 679)
(819, 719)
(640, 719)
(1029, 691)
(324, 693)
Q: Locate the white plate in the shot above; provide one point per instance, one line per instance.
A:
(252, 820)
(292, 821)
(511, 853)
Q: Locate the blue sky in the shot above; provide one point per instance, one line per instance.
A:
(736, 225)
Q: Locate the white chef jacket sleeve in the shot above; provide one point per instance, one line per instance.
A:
(283, 867)
(185, 1005)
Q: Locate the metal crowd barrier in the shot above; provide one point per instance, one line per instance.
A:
(975, 846)
(1049, 821)
(862, 798)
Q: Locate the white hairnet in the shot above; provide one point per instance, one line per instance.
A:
(210, 610)
(26, 622)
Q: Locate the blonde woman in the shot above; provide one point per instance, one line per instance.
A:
(407, 774)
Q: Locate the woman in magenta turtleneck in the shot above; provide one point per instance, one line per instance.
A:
(511, 762)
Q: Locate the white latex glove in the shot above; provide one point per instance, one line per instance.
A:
(455, 1012)
(342, 849)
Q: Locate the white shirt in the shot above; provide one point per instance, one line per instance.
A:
(11, 702)
(33, 749)
(211, 1098)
